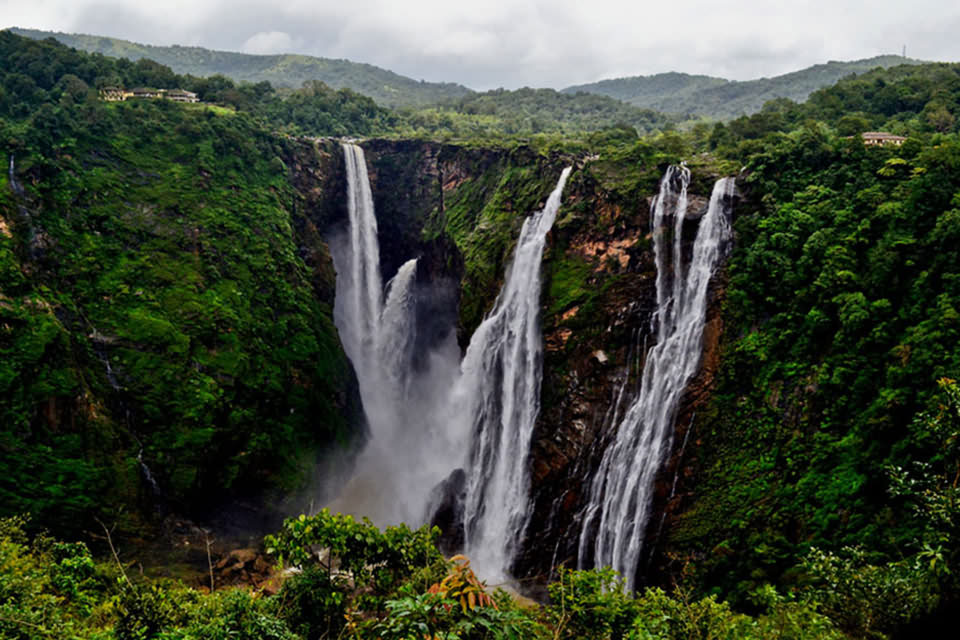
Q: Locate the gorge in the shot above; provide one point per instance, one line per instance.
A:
(566, 349)
(469, 433)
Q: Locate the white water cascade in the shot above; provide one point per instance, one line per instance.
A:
(497, 398)
(397, 334)
(359, 295)
(15, 185)
(476, 414)
(621, 492)
(404, 458)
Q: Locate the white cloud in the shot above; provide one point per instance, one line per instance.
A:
(268, 42)
(527, 42)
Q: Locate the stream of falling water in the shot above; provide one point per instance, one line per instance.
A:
(406, 454)
(499, 393)
(621, 491)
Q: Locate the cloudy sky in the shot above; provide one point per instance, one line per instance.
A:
(514, 43)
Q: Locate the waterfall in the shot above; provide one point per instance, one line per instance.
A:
(403, 459)
(498, 394)
(359, 294)
(377, 336)
(397, 333)
(14, 183)
(621, 491)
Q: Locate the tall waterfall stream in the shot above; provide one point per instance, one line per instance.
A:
(499, 393)
(622, 489)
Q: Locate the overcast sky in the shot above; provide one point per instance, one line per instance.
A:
(514, 43)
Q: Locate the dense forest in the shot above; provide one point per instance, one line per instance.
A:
(182, 304)
(167, 346)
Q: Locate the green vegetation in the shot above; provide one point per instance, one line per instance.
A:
(483, 215)
(371, 584)
(841, 314)
(154, 307)
(915, 101)
(39, 72)
(285, 70)
(394, 584)
(531, 111)
(720, 99)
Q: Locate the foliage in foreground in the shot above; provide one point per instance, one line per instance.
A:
(352, 580)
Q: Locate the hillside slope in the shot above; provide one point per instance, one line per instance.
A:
(283, 70)
(166, 331)
(723, 99)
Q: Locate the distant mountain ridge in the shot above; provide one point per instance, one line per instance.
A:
(722, 99)
(669, 93)
(282, 70)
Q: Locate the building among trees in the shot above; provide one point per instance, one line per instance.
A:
(881, 138)
(118, 94)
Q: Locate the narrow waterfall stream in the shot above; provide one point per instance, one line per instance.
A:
(401, 462)
(397, 334)
(359, 294)
(621, 491)
(499, 393)
(15, 185)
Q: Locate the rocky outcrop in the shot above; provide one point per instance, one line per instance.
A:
(589, 343)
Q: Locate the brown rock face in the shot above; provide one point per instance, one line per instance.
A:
(580, 388)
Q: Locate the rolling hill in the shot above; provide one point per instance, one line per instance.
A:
(723, 99)
(283, 70)
(672, 92)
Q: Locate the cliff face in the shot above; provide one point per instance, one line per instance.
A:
(461, 210)
(595, 347)
(166, 337)
(178, 331)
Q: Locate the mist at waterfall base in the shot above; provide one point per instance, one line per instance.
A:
(621, 492)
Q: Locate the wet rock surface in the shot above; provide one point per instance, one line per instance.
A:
(449, 499)
(591, 353)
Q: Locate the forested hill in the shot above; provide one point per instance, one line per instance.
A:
(284, 70)
(159, 292)
(529, 111)
(672, 92)
(722, 99)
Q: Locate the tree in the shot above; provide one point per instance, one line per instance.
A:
(940, 118)
(931, 489)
